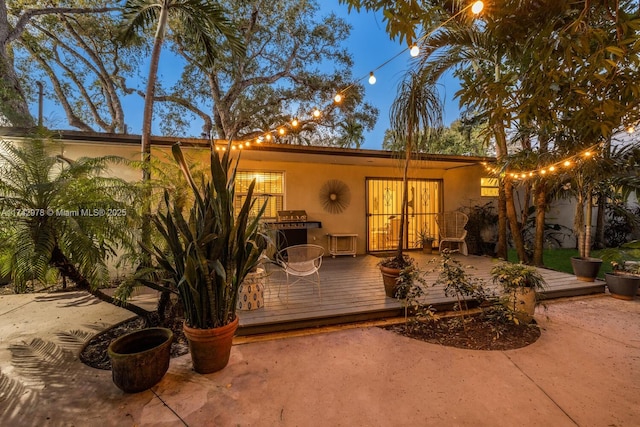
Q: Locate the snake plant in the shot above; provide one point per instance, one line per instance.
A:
(210, 247)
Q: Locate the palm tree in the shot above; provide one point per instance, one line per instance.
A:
(197, 20)
(416, 111)
(63, 214)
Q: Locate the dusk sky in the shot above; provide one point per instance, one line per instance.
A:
(368, 43)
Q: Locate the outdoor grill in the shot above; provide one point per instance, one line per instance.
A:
(292, 226)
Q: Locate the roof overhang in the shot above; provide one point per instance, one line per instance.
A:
(270, 152)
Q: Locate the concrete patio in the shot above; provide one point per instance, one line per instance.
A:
(584, 370)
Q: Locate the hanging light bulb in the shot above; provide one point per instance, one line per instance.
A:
(543, 171)
(477, 7)
(552, 168)
(587, 153)
(247, 143)
(294, 123)
(316, 113)
(631, 129)
(268, 137)
(414, 51)
(338, 98)
(372, 78)
(567, 163)
(281, 131)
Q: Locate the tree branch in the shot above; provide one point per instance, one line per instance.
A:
(30, 13)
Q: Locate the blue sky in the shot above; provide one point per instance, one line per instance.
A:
(371, 47)
(368, 43)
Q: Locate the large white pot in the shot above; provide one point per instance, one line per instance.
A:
(523, 301)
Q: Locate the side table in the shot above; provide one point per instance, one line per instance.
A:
(342, 244)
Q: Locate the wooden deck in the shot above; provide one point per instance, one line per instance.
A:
(352, 291)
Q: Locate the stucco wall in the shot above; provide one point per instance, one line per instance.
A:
(462, 187)
(303, 181)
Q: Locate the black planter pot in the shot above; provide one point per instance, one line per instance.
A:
(586, 269)
(622, 286)
(140, 359)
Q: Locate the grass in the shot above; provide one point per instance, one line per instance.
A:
(560, 260)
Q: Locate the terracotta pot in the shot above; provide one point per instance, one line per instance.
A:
(389, 276)
(622, 286)
(140, 359)
(586, 269)
(210, 348)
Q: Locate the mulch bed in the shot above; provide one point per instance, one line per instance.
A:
(477, 333)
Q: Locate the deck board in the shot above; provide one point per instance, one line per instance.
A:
(352, 291)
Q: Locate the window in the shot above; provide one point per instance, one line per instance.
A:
(489, 187)
(269, 186)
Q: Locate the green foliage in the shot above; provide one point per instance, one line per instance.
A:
(483, 221)
(61, 213)
(424, 239)
(415, 112)
(457, 283)
(83, 70)
(412, 288)
(457, 139)
(283, 76)
(620, 256)
(206, 255)
(516, 276)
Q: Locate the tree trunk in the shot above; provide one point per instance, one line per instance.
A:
(68, 270)
(405, 196)
(540, 197)
(588, 219)
(516, 229)
(578, 224)
(13, 104)
(501, 153)
(147, 120)
(502, 247)
(598, 241)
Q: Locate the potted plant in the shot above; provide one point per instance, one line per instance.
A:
(140, 359)
(623, 282)
(208, 255)
(521, 285)
(416, 111)
(425, 241)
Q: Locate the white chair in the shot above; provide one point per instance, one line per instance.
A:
(302, 262)
(451, 226)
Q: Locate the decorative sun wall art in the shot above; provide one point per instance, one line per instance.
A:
(335, 196)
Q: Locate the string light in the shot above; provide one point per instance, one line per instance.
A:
(477, 7)
(414, 51)
(566, 163)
